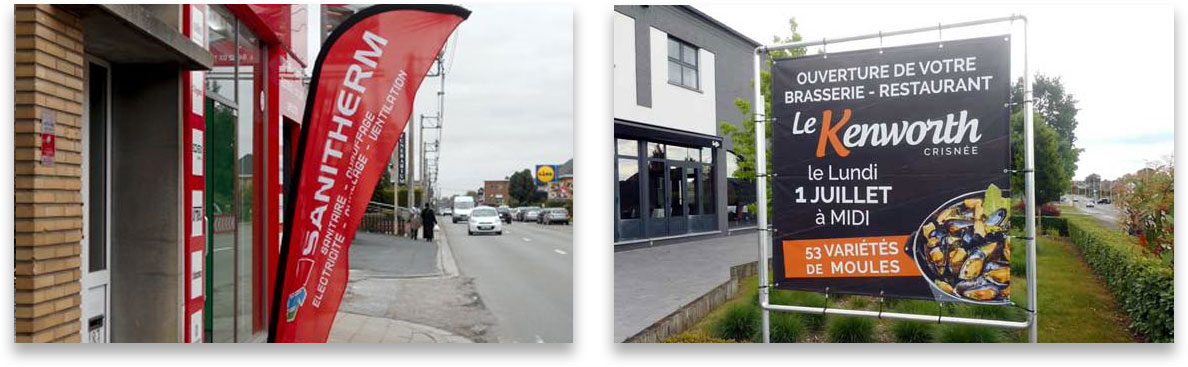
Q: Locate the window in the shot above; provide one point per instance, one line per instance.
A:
(656, 189)
(707, 188)
(682, 64)
(627, 147)
(628, 188)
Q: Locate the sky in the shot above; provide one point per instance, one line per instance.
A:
(1117, 60)
(508, 93)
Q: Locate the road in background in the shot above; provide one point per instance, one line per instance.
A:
(524, 277)
(1107, 214)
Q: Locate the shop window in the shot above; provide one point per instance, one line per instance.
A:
(626, 147)
(233, 113)
(691, 184)
(677, 153)
(707, 189)
(656, 150)
(682, 64)
(656, 177)
(628, 169)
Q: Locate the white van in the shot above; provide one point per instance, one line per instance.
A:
(462, 207)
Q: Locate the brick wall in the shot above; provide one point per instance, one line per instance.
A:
(48, 200)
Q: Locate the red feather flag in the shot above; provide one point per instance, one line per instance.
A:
(361, 95)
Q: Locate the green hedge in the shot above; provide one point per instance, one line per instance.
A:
(1142, 284)
(1044, 223)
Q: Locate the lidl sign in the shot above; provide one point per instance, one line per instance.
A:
(545, 173)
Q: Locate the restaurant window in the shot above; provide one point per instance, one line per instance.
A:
(628, 169)
(682, 64)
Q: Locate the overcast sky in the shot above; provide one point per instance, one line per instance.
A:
(1117, 60)
(509, 93)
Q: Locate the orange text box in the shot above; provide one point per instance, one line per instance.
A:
(853, 257)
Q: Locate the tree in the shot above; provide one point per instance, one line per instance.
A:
(521, 187)
(383, 189)
(743, 138)
(1147, 199)
(1059, 111)
(1056, 111)
(1051, 180)
(1093, 184)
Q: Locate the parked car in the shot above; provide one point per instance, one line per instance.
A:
(555, 215)
(505, 214)
(484, 219)
(532, 215)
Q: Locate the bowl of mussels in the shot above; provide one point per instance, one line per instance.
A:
(963, 248)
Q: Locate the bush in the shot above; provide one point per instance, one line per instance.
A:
(814, 322)
(1142, 284)
(695, 338)
(740, 323)
(785, 328)
(1042, 223)
(1049, 210)
(912, 331)
(970, 334)
(851, 330)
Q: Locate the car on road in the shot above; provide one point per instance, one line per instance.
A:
(1105, 201)
(462, 207)
(505, 213)
(532, 215)
(555, 215)
(447, 212)
(1089, 204)
(484, 219)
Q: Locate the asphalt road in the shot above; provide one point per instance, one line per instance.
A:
(524, 277)
(1107, 214)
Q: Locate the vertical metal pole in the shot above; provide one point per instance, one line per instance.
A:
(761, 193)
(1029, 181)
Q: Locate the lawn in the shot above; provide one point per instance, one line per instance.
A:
(1074, 307)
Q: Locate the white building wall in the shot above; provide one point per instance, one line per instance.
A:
(624, 68)
(673, 106)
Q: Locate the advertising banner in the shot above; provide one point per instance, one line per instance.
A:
(545, 173)
(364, 82)
(890, 171)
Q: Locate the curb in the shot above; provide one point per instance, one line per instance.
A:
(445, 257)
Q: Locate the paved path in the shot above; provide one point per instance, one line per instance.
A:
(652, 282)
(405, 290)
(356, 328)
(524, 277)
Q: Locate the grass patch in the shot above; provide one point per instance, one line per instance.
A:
(970, 334)
(740, 323)
(851, 329)
(785, 328)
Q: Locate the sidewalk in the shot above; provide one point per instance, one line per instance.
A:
(652, 282)
(402, 290)
(355, 328)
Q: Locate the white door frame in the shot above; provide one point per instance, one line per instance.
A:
(102, 277)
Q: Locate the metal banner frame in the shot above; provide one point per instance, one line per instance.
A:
(1029, 193)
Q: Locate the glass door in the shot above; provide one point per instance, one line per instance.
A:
(96, 277)
(678, 220)
(223, 223)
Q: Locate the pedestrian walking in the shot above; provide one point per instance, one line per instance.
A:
(415, 225)
(428, 220)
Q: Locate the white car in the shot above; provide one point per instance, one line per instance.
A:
(484, 219)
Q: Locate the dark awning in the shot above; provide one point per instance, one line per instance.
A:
(131, 34)
(653, 133)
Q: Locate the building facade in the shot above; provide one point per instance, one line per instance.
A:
(152, 143)
(677, 74)
(495, 193)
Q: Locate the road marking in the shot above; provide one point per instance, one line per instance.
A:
(560, 252)
(526, 239)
